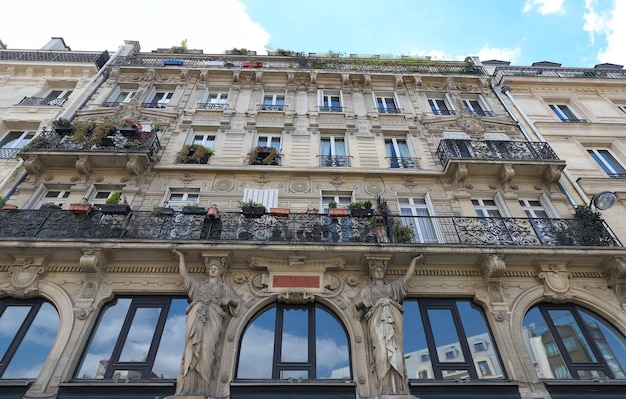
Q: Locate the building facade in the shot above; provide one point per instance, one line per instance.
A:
(415, 239)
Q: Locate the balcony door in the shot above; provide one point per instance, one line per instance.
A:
(398, 153)
(418, 213)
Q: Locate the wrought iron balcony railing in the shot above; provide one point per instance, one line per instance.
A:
(543, 72)
(328, 108)
(482, 113)
(444, 112)
(55, 56)
(300, 227)
(215, 106)
(153, 105)
(42, 101)
(494, 149)
(335, 160)
(113, 104)
(387, 110)
(52, 141)
(269, 107)
(404, 162)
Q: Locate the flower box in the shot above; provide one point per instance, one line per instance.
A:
(193, 210)
(253, 211)
(338, 212)
(64, 130)
(129, 131)
(114, 208)
(80, 208)
(279, 211)
(8, 207)
(360, 212)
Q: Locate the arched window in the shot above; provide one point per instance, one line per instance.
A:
(569, 342)
(138, 338)
(27, 332)
(294, 342)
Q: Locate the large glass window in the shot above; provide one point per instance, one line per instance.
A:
(273, 102)
(440, 104)
(417, 214)
(569, 342)
(386, 104)
(294, 341)
(27, 332)
(448, 339)
(136, 338)
(214, 100)
(330, 101)
(158, 99)
(13, 141)
(398, 154)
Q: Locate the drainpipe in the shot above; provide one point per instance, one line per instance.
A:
(17, 169)
(507, 91)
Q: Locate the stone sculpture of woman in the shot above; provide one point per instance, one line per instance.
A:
(211, 301)
(380, 304)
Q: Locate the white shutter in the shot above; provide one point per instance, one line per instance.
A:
(435, 221)
(548, 207)
(269, 198)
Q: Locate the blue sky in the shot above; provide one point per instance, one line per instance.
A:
(576, 33)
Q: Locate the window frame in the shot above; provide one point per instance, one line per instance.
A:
(565, 112)
(342, 198)
(325, 103)
(436, 108)
(414, 204)
(58, 99)
(480, 108)
(386, 102)
(185, 192)
(334, 159)
(220, 97)
(605, 162)
(274, 101)
(397, 160)
(164, 100)
(115, 98)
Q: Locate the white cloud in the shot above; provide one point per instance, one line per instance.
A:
(433, 54)
(503, 54)
(615, 35)
(210, 25)
(545, 7)
(595, 23)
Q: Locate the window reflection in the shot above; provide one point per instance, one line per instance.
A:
(28, 330)
(448, 339)
(137, 338)
(568, 342)
(300, 342)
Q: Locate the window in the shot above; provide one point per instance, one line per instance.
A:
(486, 208)
(342, 198)
(569, 342)
(266, 151)
(477, 106)
(177, 198)
(136, 338)
(608, 162)
(273, 102)
(99, 193)
(479, 347)
(483, 366)
(29, 329)
(399, 155)
(56, 97)
(446, 328)
(269, 140)
(533, 209)
(565, 113)
(215, 100)
(329, 101)
(158, 99)
(622, 108)
(424, 358)
(333, 152)
(13, 141)
(54, 196)
(119, 96)
(205, 139)
(387, 103)
(293, 341)
(440, 104)
(417, 213)
(422, 374)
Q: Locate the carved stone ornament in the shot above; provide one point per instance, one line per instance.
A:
(92, 261)
(493, 269)
(556, 282)
(25, 274)
(616, 279)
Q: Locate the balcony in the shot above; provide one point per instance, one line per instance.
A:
(50, 150)
(301, 227)
(41, 101)
(212, 106)
(270, 107)
(446, 112)
(388, 110)
(342, 161)
(403, 162)
(328, 108)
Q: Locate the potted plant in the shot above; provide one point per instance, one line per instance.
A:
(403, 234)
(361, 208)
(193, 209)
(261, 155)
(101, 131)
(312, 211)
(194, 153)
(112, 204)
(51, 205)
(83, 206)
(130, 128)
(252, 209)
(63, 126)
(162, 210)
(334, 211)
(381, 220)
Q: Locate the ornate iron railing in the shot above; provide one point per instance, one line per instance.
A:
(112, 104)
(335, 160)
(481, 113)
(212, 106)
(153, 105)
(597, 73)
(444, 112)
(328, 108)
(403, 162)
(270, 107)
(387, 110)
(494, 149)
(302, 227)
(8, 152)
(50, 140)
(42, 101)
(55, 56)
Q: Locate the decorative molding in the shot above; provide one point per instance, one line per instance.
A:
(92, 261)
(555, 279)
(25, 275)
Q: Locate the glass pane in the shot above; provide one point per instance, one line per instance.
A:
(295, 341)
(416, 353)
(445, 334)
(284, 374)
(454, 374)
(541, 346)
(126, 374)
(332, 356)
(569, 330)
(36, 345)
(11, 320)
(257, 347)
(140, 335)
(170, 350)
(609, 341)
(101, 346)
(479, 340)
